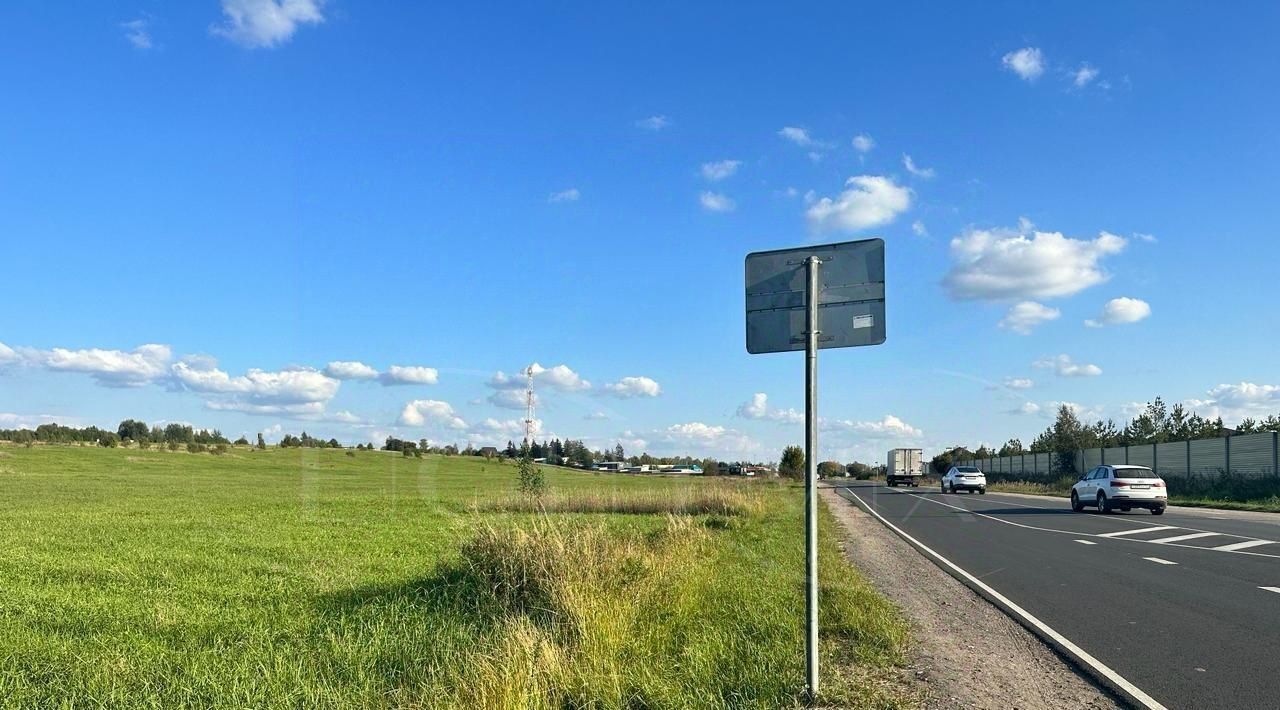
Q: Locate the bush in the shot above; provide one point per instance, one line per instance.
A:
(196, 448)
(174, 446)
(530, 480)
(219, 450)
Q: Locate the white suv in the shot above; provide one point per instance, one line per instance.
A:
(1124, 487)
(964, 478)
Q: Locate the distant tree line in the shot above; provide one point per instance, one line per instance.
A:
(1156, 424)
(289, 441)
(130, 431)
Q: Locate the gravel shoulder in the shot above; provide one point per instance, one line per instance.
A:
(966, 652)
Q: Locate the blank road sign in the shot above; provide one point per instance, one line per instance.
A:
(850, 296)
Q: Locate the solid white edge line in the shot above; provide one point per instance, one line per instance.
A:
(1159, 561)
(1080, 654)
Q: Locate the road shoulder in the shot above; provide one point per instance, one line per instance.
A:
(968, 653)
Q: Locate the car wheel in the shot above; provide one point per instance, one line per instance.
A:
(1157, 511)
(982, 491)
(942, 488)
(1103, 505)
(953, 489)
(1075, 502)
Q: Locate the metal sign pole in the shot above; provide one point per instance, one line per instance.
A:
(811, 478)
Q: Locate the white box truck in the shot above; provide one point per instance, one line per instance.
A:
(905, 467)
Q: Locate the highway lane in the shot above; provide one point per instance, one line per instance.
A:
(1177, 604)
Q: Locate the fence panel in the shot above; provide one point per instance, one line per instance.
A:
(1114, 455)
(1042, 463)
(1171, 459)
(1090, 458)
(1142, 455)
(1251, 454)
(1208, 457)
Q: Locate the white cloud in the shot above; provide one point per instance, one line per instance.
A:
(1064, 366)
(1243, 400)
(720, 169)
(697, 439)
(410, 375)
(911, 167)
(1027, 63)
(1122, 310)
(918, 228)
(629, 387)
(871, 201)
(863, 143)
(260, 387)
(1027, 408)
(570, 195)
(799, 136)
(1019, 383)
(888, 427)
(8, 355)
(653, 123)
(716, 202)
(1082, 77)
(596, 417)
(1148, 238)
(429, 412)
(511, 399)
(560, 377)
(9, 420)
(266, 23)
(758, 408)
(301, 410)
(1026, 315)
(138, 33)
(349, 370)
(1023, 263)
(1081, 411)
(111, 368)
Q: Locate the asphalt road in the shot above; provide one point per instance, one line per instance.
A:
(1184, 606)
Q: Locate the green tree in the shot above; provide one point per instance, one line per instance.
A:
(529, 478)
(828, 469)
(792, 462)
(1012, 447)
(133, 429)
(262, 442)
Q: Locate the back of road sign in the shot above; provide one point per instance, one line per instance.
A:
(850, 300)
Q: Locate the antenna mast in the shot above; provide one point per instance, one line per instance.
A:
(528, 403)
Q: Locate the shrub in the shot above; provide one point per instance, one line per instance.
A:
(530, 480)
(174, 446)
(196, 448)
(219, 449)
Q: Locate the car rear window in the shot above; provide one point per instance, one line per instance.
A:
(968, 469)
(1135, 473)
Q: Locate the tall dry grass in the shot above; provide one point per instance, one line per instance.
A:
(725, 499)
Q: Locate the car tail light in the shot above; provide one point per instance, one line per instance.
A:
(1119, 484)
(1157, 484)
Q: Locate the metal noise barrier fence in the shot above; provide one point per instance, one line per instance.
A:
(1253, 456)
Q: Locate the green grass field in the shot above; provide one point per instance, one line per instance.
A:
(313, 579)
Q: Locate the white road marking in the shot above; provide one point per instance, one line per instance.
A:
(1271, 589)
(1086, 542)
(1159, 561)
(1241, 545)
(1179, 538)
(1153, 528)
(1080, 654)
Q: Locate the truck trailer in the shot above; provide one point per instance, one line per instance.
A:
(906, 467)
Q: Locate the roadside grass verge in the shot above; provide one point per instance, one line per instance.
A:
(287, 579)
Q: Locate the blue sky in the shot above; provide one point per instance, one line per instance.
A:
(203, 205)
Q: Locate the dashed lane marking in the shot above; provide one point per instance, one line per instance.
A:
(1086, 542)
(1271, 589)
(1241, 545)
(1159, 561)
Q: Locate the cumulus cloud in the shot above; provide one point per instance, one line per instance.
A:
(918, 228)
(863, 143)
(911, 167)
(259, 387)
(1027, 408)
(1001, 263)
(888, 427)
(266, 23)
(1064, 366)
(720, 169)
(1019, 383)
(1024, 316)
(716, 202)
(653, 123)
(799, 136)
(409, 375)
(1027, 62)
(430, 412)
(111, 368)
(870, 201)
(1119, 311)
(138, 33)
(497, 430)
(560, 377)
(629, 387)
(569, 195)
(349, 370)
(510, 399)
(1083, 76)
(758, 408)
(1242, 400)
(8, 355)
(698, 438)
